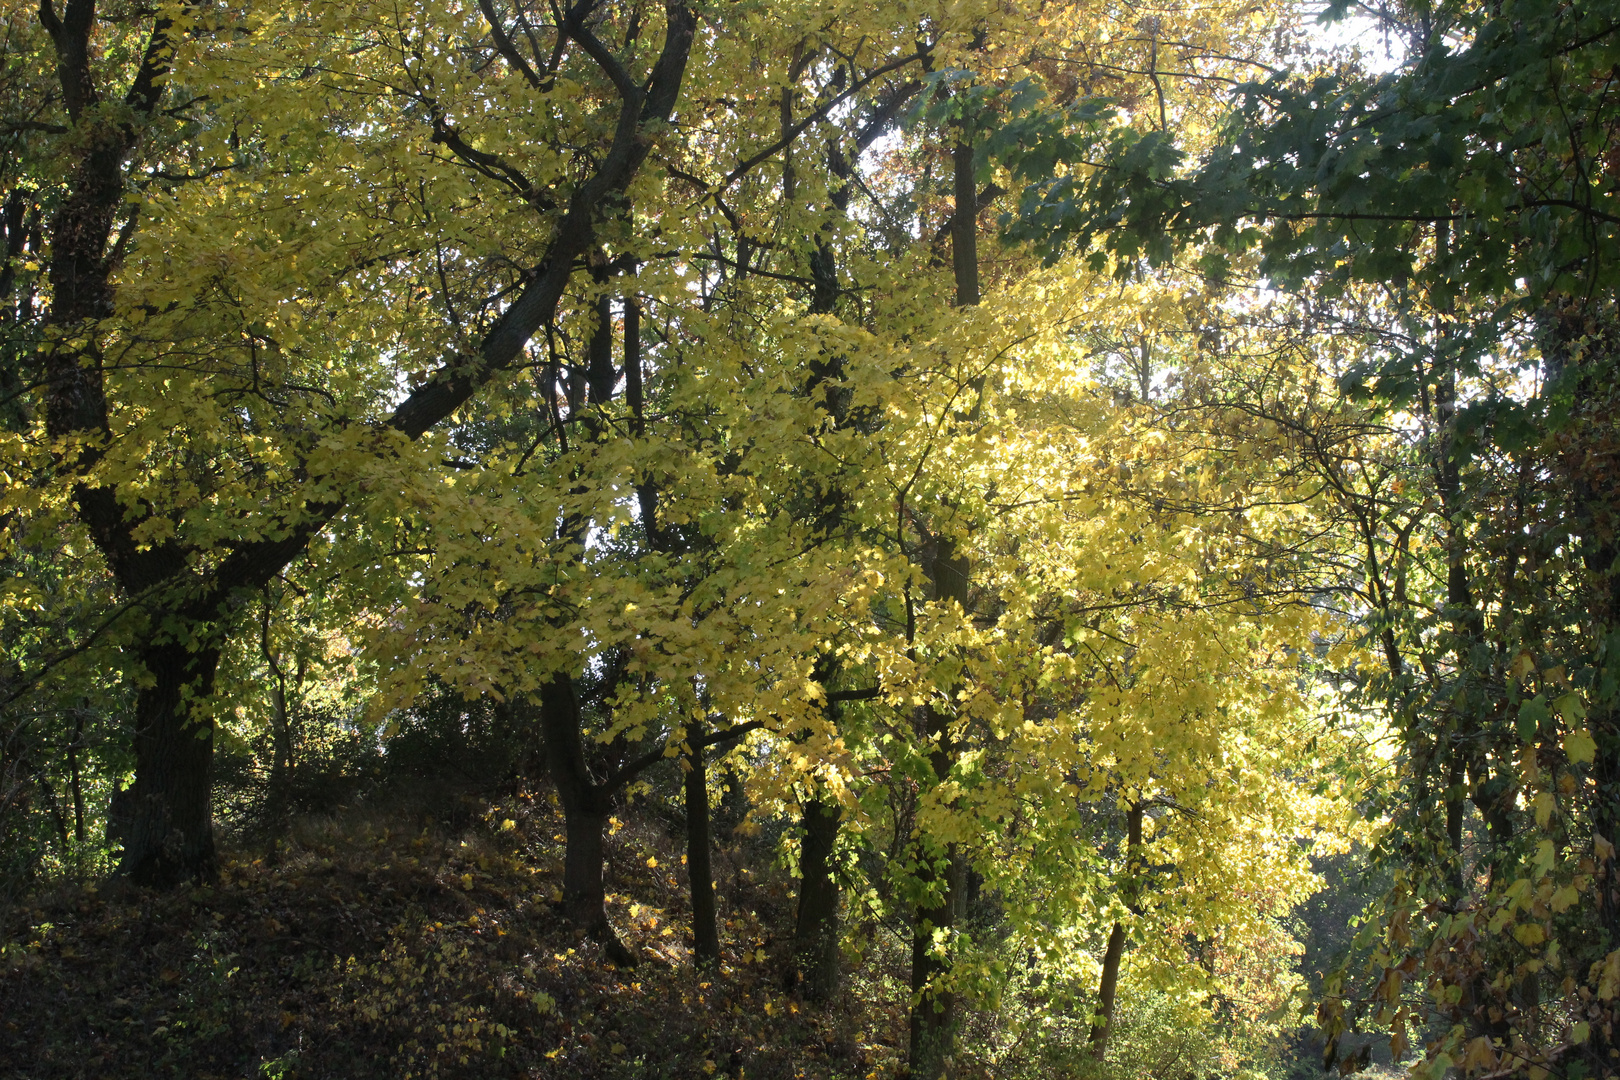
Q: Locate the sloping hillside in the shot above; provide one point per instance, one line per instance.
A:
(369, 944)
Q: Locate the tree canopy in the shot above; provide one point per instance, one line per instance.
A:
(1060, 472)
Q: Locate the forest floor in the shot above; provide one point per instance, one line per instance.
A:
(368, 944)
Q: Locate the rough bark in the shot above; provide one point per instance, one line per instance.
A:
(815, 929)
(169, 832)
(699, 848)
(586, 805)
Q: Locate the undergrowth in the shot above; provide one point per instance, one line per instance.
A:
(369, 944)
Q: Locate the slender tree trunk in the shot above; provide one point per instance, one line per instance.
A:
(942, 872)
(280, 722)
(1595, 510)
(1108, 985)
(1467, 623)
(815, 930)
(55, 805)
(280, 733)
(965, 226)
(76, 780)
(933, 1010)
(699, 853)
(816, 969)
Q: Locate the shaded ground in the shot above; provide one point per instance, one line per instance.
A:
(366, 945)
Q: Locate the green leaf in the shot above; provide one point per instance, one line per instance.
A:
(1532, 714)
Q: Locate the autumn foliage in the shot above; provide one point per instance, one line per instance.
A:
(1000, 494)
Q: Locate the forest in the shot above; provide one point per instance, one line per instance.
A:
(799, 538)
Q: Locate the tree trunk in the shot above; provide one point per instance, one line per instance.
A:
(1595, 512)
(586, 805)
(1107, 987)
(55, 806)
(168, 833)
(76, 780)
(942, 873)
(584, 896)
(280, 720)
(815, 931)
(965, 226)
(699, 867)
(933, 1009)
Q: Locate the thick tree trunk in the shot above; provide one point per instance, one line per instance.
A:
(168, 832)
(584, 895)
(815, 931)
(586, 805)
(699, 863)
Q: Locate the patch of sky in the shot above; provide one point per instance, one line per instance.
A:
(1362, 30)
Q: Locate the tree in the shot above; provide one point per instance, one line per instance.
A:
(191, 580)
(1453, 220)
(684, 421)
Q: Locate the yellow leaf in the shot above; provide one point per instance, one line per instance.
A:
(1607, 972)
(1529, 934)
(1544, 856)
(1480, 1055)
(1544, 803)
(1579, 746)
